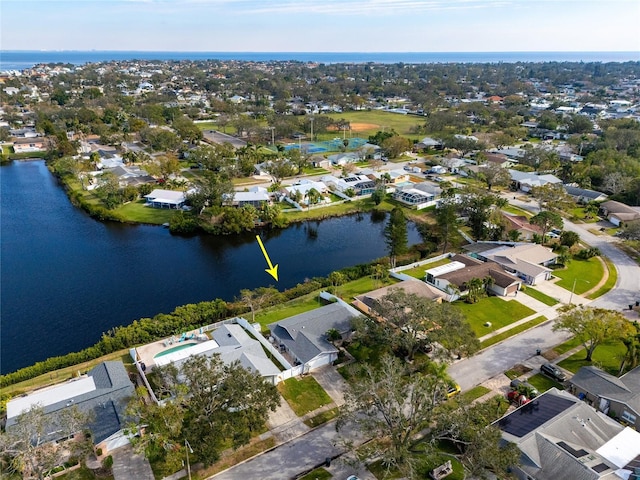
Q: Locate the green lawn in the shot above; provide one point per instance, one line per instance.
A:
(609, 284)
(585, 273)
(380, 120)
(543, 383)
(289, 309)
(566, 346)
(137, 212)
(303, 395)
(474, 393)
(495, 310)
(513, 331)
(418, 272)
(541, 297)
(83, 473)
(317, 474)
(322, 418)
(607, 357)
(517, 211)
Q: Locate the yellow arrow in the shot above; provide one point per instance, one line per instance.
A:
(272, 270)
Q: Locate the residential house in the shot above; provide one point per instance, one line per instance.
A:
(560, 437)
(618, 213)
(256, 197)
(341, 159)
(499, 159)
(613, 396)
(361, 184)
(525, 181)
(367, 301)
(30, 145)
(318, 161)
(166, 199)
(304, 336)
(584, 195)
(232, 343)
(454, 277)
(521, 224)
(304, 185)
(428, 143)
(412, 197)
(131, 175)
(103, 394)
(528, 261)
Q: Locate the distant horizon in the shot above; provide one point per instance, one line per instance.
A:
(34, 50)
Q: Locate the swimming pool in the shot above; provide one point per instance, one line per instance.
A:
(177, 348)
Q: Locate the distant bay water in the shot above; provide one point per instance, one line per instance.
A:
(19, 60)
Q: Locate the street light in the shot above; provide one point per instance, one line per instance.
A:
(574, 288)
(187, 446)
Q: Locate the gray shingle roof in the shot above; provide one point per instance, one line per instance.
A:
(305, 334)
(625, 389)
(106, 402)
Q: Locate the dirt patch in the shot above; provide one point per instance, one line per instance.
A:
(517, 370)
(358, 127)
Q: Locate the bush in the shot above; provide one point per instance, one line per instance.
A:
(107, 463)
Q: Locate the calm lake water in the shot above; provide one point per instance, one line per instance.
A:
(66, 278)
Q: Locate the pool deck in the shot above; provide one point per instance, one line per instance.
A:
(147, 353)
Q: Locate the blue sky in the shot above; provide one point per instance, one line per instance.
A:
(321, 25)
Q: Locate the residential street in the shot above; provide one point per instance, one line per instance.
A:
(522, 348)
(295, 457)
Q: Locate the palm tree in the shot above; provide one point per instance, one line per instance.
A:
(313, 197)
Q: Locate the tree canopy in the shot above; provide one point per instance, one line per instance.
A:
(594, 326)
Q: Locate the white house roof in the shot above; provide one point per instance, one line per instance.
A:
(166, 196)
(446, 268)
(49, 396)
(622, 448)
(251, 196)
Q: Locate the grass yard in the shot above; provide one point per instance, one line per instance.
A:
(82, 473)
(289, 309)
(513, 331)
(543, 383)
(369, 122)
(474, 393)
(317, 474)
(363, 285)
(517, 211)
(137, 212)
(322, 418)
(610, 282)
(303, 395)
(541, 297)
(495, 310)
(207, 125)
(418, 272)
(585, 273)
(606, 356)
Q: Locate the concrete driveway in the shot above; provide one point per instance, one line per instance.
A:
(129, 465)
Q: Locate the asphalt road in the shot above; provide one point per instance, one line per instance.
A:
(290, 459)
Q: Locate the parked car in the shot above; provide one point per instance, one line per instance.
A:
(552, 371)
(517, 398)
(524, 387)
(453, 390)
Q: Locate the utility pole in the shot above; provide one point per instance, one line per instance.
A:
(311, 119)
(272, 135)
